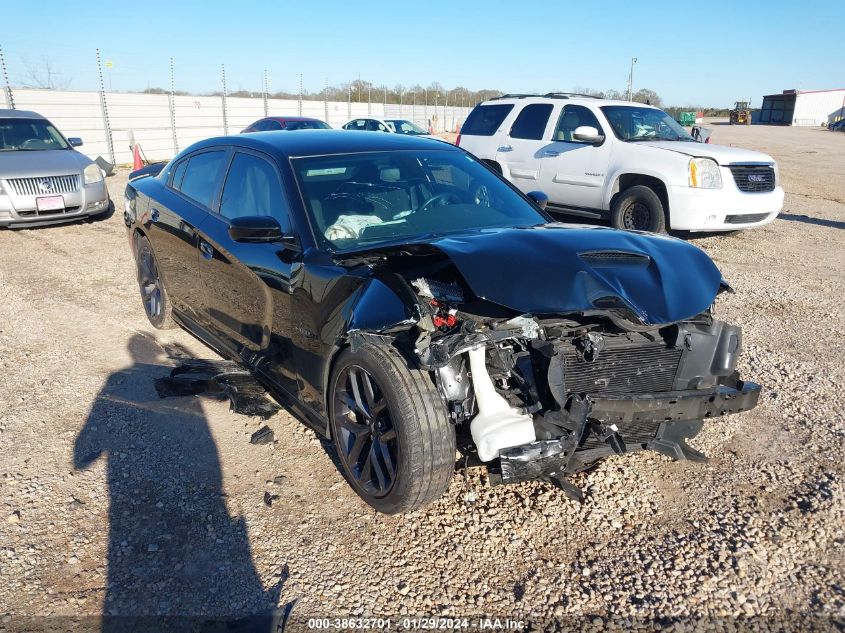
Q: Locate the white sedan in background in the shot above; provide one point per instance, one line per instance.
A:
(394, 126)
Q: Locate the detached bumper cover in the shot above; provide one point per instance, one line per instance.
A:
(626, 423)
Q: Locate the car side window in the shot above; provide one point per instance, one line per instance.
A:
(252, 188)
(357, 124)
(178, 172)
(572, 117)
(531, 122)
(267, 124)
(202, 176)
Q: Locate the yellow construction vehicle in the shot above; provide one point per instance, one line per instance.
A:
(741, 114)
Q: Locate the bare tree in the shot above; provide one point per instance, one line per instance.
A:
(43, 75)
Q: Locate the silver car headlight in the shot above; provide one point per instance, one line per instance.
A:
(704, 173)
(93, 174)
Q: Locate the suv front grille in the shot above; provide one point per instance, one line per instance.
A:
(45, 185)
(753, 178)
(623, 369)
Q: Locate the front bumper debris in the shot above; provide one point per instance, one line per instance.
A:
(622, 424)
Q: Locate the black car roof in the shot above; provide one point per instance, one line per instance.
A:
(318, 142)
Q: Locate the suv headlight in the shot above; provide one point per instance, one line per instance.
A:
(704, 173)
(92, 174)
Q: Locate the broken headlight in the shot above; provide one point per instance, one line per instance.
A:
(704, 173)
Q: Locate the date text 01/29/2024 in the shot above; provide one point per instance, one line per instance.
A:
(416, 623)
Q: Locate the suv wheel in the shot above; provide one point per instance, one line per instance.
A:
(638, 208)
(390, 429)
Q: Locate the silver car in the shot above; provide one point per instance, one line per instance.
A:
(43, 180)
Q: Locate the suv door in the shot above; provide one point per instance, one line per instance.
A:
(175, 218)
(519, 152)
(248, 285)
(572, 173)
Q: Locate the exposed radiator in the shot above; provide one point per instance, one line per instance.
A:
(623, 368)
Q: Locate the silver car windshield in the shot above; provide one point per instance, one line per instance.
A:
(358, 201)
(632, 123)
(29, 135)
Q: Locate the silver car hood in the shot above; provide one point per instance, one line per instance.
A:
(50, 162)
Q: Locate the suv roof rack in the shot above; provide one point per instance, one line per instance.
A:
(548, 95)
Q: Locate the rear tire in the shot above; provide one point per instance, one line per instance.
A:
(390, 429)
(638, 208)
(153, 293)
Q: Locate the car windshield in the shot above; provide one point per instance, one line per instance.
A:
(306, 125)
(632, 123)
(29, 135)
(358, 201)
(400, 126)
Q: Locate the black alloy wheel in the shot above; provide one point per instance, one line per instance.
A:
(366, 436)
(153, 294)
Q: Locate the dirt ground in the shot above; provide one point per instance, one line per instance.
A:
(113, 501)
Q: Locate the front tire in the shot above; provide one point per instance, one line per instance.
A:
(638, 208)
(153, 293)
(390, 429)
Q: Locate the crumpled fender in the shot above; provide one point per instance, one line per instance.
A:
(382, 304)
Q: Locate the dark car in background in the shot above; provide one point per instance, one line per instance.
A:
(275, 123)
(404, 300)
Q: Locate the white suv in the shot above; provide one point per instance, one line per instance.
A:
(627, 162)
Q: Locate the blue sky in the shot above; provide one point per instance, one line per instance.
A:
(712, 56)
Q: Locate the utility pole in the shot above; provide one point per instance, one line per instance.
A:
(10, 98)
(172, 103)
(631, 79)
(265, 92)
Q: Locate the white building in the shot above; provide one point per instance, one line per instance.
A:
(802, 107)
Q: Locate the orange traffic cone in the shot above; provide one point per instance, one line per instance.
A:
(136, 157)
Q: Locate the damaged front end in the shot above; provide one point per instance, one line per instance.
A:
(541, 396)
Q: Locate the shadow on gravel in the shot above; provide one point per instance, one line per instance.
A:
(806, 219)
(176, 559)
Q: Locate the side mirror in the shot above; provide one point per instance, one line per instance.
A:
(588, 134)
(74, 141)
(539, 198)
(255, 228)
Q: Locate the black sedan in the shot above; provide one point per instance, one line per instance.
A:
(405, 301)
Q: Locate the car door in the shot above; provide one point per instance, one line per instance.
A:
(174, 219)
(248, 285)
(572, 172)
(519, 152)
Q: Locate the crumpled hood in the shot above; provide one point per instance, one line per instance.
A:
(557, 269)
(722, 154)
(50, 162)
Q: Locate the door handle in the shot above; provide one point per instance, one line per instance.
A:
(154, 215)
(206, 249)
(504, 148)
(551, 152)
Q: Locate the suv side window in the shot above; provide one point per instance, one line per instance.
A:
(572, 117)
(202, 176)
(484, 120)
(531, 122)
(253, 188)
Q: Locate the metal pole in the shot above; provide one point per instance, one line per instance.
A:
(172, 103)
(10, 98)
(300, 94)
(436, 95)
(326, 101)
(384, 105)
(369, 99)
(266, 111)
(425, 109)
(225, 112)
(414, 107)
(401, 94)
(631, 78)
(105, 111)
(348, 103)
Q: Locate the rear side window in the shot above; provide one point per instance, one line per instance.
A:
(178, 172)
(531, 122)
(268, 125)
(253, 188)
(202, 176)
(484, 120)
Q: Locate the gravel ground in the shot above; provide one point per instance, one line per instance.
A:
(115, 501)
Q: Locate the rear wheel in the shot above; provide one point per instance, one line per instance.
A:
(638, 208)
(153, 294)
(390, 429)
